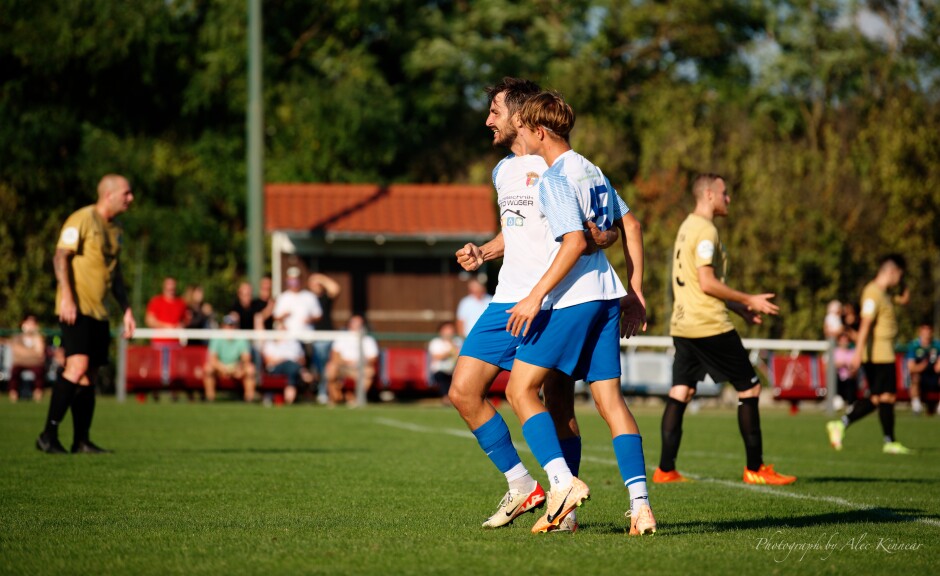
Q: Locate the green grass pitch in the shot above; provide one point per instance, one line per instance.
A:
(402, 489)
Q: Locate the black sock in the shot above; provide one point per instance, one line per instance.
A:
(858, 410)
(749, 424)
(62, 393)
(886, 415)
(671, 433)
(83, 409)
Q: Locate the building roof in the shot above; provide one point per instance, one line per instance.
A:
(398, 210)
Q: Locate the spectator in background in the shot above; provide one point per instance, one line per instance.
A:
(850, 321)
(832, 324)
(166, 310)
(250, 311)
(846, 372)
(923, 363)
(296, 309)
(471, 306)
(266, 295)
(285, 356)
(199, 311)
(326, 291)
(29, 360)
(230, 358)
(443, 351)
(344, 362)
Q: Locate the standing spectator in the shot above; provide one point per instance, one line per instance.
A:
(166, 310)
(199, 312)
(874, 352)
(327, 291)
(29, 360)
(86, 268)
(266, 295)
(850, 321)
(832, 324)
(344, 362)
(846, 373)
(232, 358)
(444, 350)
(285, 356)
(296, 309)
(249, 310)
(923, 363)
(471, 306)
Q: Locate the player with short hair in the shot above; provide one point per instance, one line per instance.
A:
(86, 268)
(704, 337)
(579, 334)
(526, 246)
(874, 352)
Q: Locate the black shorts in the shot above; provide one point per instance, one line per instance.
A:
(87, 337)
(722, 357)
(882, 378)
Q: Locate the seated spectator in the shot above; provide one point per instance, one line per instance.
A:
(285, 356)
(443, 351)
(29, 361)
(344, 363)
(230, 358)
(923, 363)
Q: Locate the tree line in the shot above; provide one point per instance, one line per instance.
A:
(822, 114)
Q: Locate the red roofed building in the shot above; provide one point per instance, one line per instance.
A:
(391, 248)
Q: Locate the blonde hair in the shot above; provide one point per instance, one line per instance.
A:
(548, 110)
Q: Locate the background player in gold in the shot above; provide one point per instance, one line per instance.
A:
(704, 337)
(874, 352)
(86, 268)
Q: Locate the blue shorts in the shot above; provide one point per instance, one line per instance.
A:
(489, 341)
(582, 341)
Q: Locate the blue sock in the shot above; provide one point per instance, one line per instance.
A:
(539, 432)
(571, 448)
(495, 441)
(628, 448)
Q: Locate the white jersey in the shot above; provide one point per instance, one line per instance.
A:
(572, 192)
(529, 243)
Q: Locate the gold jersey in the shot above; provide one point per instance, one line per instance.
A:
(695, 314)
(96, 243)
(878, 306)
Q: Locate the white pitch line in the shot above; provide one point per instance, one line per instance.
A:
(736, 485)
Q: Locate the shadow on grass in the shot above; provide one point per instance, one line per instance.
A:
(869, 516)
(856, 480)
(247, 450)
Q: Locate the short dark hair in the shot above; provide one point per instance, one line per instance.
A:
(894, 258)
(517, 92)
(703, 182)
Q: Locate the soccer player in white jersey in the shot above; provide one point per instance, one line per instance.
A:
(527, 247)
(586, 294)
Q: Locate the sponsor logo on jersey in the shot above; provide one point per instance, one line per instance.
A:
(531, 179)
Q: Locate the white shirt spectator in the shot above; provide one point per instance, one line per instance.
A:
(469, 311)
(348, 348)
(302, 309)
(277, 351)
